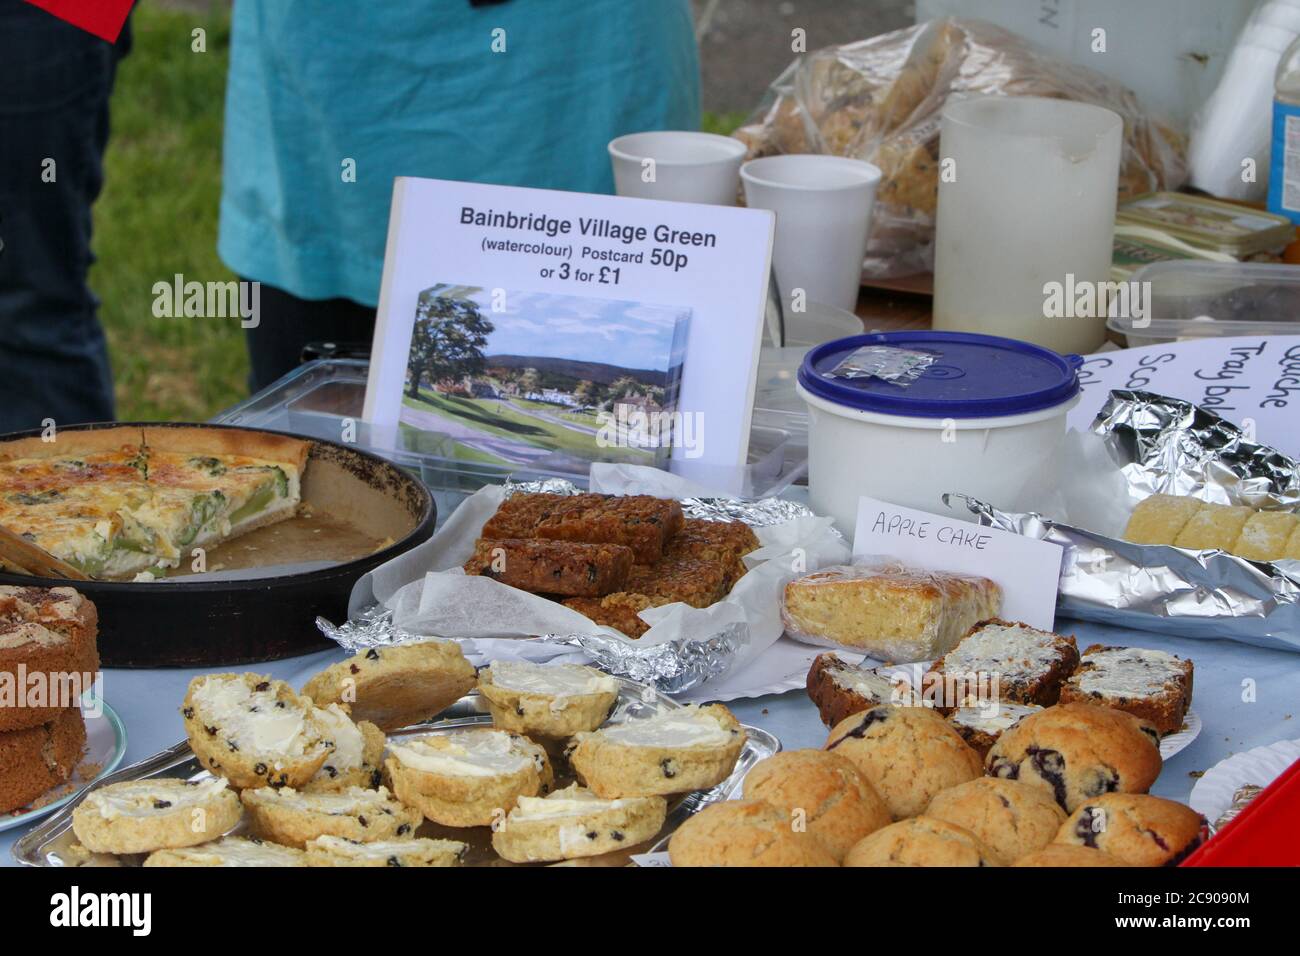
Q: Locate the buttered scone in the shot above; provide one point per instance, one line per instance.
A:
(574, 822)
(229, 851)
(1077, 752)
(908, 753)
(745, 833)
(358, 755)
(254, 731)
(396, 686)
(140, 816)
(824, 791)
(691, 748)
(1010, 818)
(338, 851)
(467, 778)
(291, 818)
(547, 700)
(922, 841)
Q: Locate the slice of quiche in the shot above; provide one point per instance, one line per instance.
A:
(120, 502)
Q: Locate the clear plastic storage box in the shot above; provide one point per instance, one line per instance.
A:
(1194, 300)
(323, 399)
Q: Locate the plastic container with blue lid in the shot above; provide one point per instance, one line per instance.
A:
(984, 418)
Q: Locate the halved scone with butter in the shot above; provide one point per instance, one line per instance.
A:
(547, 700)
(690, 748)
(358, 755)
(467, 778)
(254, 731)
(396, 686)
(291, 818)
(574, 822)
(230, 851)
(140, 816)
(339, 851)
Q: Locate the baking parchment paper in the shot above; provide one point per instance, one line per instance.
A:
(425, 593)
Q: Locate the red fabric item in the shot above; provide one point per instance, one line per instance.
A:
(103, 18)
(1264, 833)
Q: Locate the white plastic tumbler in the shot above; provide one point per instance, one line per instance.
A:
(823, 207)
(678, 165)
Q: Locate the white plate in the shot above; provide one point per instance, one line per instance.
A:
(1213, 792)
(105, 747)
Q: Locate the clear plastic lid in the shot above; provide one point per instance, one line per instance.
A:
(1191, 299)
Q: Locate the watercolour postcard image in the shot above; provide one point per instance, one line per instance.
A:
(543, 380)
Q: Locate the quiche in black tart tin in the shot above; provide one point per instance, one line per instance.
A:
(348, 495)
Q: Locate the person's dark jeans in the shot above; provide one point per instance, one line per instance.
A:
(286, 323)
(55, 82)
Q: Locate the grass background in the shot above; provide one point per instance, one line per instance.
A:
(157, 216)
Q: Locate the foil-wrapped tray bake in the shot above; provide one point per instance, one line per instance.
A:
(1170, 446)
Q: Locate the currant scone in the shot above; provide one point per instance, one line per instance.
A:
(229, 851)
(467, 778)
(547, 700)
(396, 686)
(291, 818)
(574, 822)
(691, 748)
(340, 851)
(358, 755)
(140, 816)
(254, 731)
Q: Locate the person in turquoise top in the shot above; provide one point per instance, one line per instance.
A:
(327, 101)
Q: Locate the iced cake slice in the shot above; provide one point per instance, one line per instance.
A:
(1213, 527)
(1159, 519)
(1150, 684)
(1265, 534)
(840, 689)
(1006, 660)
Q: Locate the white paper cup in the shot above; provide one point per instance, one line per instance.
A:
(823, 208)
(686, 167)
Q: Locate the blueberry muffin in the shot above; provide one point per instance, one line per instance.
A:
(1078, 752)
(745, 833)
(921, 841)
(140, 816)
(396, 686)
(909, 754)
(823, 792)
(1137, 828)
(1064, 854)
(1009, 817)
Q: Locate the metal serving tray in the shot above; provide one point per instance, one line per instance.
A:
(50, 843)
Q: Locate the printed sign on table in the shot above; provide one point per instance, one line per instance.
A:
(1251, 381)
(537, 329)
